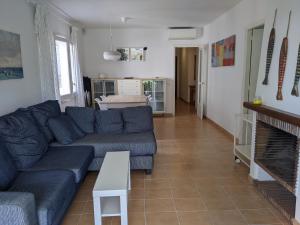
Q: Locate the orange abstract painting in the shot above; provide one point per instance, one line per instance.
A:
(223, 52)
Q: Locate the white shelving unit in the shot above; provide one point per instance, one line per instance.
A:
(103, 88)
(242, 138)
(155, 89)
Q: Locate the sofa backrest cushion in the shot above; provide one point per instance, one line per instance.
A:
(8, 170)
(42, 112)
(64, 129)
(137, 119)
(109, 121)
(22, 137)
(84, 118)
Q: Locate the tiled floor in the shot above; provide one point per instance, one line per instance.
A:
(195, 182)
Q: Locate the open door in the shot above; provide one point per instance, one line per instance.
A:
(202, 82)
(254, 45)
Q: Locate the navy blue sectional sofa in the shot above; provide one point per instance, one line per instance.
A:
(45, 154)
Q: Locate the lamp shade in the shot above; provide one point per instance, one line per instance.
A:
(112, 55)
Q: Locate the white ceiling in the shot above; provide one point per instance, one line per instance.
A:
(144, 13)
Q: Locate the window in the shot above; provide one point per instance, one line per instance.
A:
(64, 71)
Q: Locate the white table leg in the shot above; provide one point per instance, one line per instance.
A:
(124, 216)
(97, 211)
(129, 178)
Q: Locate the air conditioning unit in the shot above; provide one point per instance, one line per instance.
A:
(184, 33)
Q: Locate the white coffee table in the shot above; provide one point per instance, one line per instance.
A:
(110, 192)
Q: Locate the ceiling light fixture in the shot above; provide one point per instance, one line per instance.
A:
(111, 55)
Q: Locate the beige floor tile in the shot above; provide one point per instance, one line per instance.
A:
(133, 219)
(76, 208)
(71, 219)
(84, 195)
(136, 206)
(260, 216)
(137, 193)
(189, 204)
(185, 192)
(159, 205)
(88, 219)
(137, 174)
(158, 193)
(137, 183)
(246, 202)
(88, 207)
(219, 203)
(194, 218)
(182, 183)
(157, 184)
(226, 217)
(164, 218)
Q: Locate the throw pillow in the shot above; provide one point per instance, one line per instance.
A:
(109, 122)
(64, 129)
(22, 138)
(84, 118)
(137, 119)
(42, 112)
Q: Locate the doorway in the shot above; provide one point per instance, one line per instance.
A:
(186, 73)
(254, 45)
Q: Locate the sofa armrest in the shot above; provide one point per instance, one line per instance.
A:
(17, 208)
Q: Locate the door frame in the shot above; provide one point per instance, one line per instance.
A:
(199, 46)
(202, 80)
(249, 27)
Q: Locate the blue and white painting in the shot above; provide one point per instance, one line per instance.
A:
(10, 56)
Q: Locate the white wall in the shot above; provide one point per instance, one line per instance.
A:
(159, 59)
(17, 16)
(225, 84)
(290, 103)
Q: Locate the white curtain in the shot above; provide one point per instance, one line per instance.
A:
(76, 72)
(46, 48)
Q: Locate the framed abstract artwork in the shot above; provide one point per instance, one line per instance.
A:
(124, 54)
(10, 56)
(223, 52)
(133, 54)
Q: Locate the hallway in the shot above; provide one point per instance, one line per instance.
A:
(195, 181)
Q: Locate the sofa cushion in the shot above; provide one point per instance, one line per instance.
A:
(64, 129)
(8, 170)
(22, 138)
(53, 190)
(137, 119)
(139, 144)
(42, 112)
(109, 122)
(84, 118)
(74, 158)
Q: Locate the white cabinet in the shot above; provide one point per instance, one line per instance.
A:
(129, 87)
(102, 88)
(156, 90)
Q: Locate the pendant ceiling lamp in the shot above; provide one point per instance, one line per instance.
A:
(111, 55)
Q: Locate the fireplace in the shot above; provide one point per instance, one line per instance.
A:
(276, 153)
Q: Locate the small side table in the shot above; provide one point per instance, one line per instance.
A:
(110, 192)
